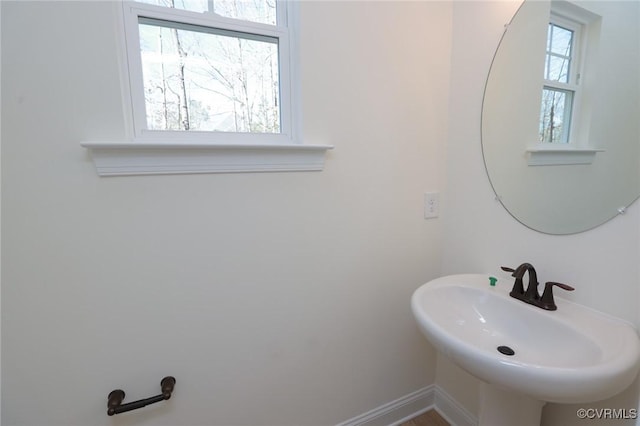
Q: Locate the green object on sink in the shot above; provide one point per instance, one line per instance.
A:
(492, 281)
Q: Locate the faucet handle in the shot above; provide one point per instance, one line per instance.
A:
(520, 270)
(546, 301)
(518, 289)
(507, 269)
(562, 286)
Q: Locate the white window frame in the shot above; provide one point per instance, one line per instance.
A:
(162, 151)
(575, 70)
(577, 150)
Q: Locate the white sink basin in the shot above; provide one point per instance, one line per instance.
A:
(572, 355)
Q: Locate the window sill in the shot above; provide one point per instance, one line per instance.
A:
(554, 155)
(153, 158)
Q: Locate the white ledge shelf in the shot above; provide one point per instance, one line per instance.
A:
(554, 155)
(152, 158)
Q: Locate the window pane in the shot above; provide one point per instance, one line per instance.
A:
(559, 51)
(558, 69)
(198, 78)
(263, 11)
(561, 40)
(555, 115)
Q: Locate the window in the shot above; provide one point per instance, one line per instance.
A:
(570, 70)
(213, 88)
(220, 67)
(561, 78)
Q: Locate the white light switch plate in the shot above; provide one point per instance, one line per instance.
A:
(431, 205)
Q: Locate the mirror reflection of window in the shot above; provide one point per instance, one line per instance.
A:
(559, 51)
(560, 80)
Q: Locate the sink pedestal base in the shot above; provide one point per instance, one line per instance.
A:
(501, 407)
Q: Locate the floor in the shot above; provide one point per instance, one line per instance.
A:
(430, 418)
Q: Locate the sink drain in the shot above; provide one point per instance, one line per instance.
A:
(506, 350)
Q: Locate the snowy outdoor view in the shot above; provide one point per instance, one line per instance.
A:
(209, 79)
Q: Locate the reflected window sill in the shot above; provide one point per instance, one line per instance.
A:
(560, 155)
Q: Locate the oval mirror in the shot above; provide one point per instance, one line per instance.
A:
(561, 114)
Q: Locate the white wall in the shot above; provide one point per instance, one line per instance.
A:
(272, 298)
(480, 235)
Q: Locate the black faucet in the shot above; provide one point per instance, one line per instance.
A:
(531, 295)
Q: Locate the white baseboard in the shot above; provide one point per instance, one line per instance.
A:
(452, 411)
(402, 409)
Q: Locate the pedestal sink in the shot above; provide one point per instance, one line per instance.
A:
(525, 356)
